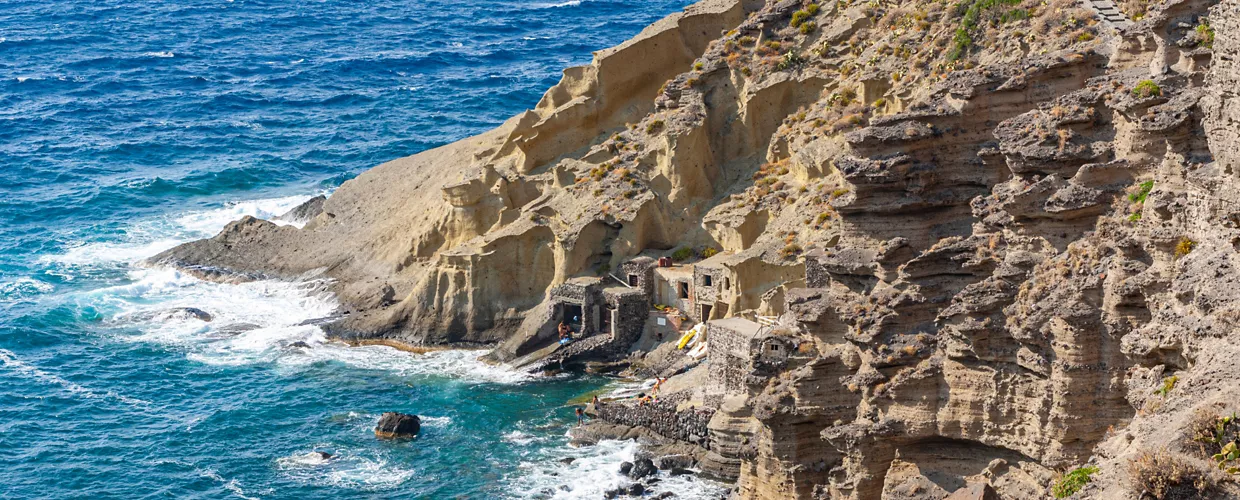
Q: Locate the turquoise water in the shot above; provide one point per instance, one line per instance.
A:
(128, 127)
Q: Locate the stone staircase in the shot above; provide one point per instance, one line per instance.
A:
(1109, 12)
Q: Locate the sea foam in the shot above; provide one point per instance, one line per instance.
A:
(593, 471)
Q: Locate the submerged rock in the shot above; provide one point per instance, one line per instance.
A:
(181, 313)
(395, 425)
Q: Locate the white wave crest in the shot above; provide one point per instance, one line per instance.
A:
(462, 365)
(437, 422)
(24, 287)
(346, 469)
(593, 471)
(161, 54)
(263, 322)
(148, 238)
(569, 3)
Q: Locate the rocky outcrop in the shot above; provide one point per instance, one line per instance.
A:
(305, 212)
(988, 243)
(396, 425)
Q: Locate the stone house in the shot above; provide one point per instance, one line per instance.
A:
(576, 302)
(741, 353)
(589, 308)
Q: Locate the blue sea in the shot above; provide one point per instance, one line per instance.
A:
(129, 127)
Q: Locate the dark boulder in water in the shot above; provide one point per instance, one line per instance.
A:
(395, 425)
(324, 455)
(625, 467)
(642, 467)
(568, 460)
(299, 345)
(636, 490)
(304, 212)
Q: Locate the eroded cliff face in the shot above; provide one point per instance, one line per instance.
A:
(1000, 236)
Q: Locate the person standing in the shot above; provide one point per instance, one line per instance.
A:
(581, 417)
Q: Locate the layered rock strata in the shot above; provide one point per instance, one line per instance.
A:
(939, 248)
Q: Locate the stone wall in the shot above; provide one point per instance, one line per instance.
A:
(643, 269)
(728, 358)
(632, 307)
(816, 275)
(689, 425)
(704, 293)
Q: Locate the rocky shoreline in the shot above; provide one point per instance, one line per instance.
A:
(969, 250)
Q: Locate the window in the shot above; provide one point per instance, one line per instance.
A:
(632, 280)
(727, 283)
(684, 289)
(706, 280)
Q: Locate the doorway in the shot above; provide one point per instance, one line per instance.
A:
(572, 316)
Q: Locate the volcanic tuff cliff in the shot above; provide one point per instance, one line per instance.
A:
(1016, 224)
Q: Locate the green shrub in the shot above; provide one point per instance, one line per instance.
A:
(812, 8)
(790, 250)
(697, 65)
(1073, 481)
(799, 17)
(1143, 191)
(682, 254)
(709, 252)
(654, 126)
(1205, 34)
(808, 27)
(961, 43)
(1146, 88)
(1014, 15)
